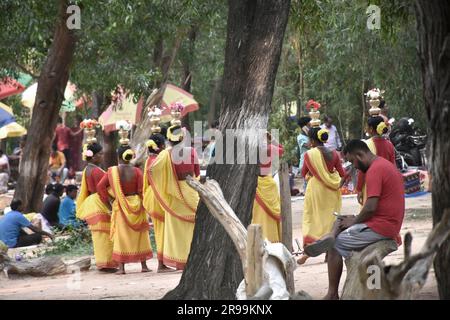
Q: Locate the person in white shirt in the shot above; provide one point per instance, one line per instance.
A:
(4, 172)
(334, 141)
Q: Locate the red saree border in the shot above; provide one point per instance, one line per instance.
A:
(269, 212)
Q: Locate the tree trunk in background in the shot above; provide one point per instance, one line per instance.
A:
(49, 97)
(433, 28)
(109, 149)
(252, 56)
(212, 101)
(187, 74)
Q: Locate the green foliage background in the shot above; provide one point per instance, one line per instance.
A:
(329, 54)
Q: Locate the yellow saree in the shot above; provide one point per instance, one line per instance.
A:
(266, 208)
(91, 209)
(129, 225)
(179, 203)
(154, 209)
(322, 198)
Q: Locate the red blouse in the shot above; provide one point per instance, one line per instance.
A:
(266, 167)
(334, 163)
(94, 178)
(385, 149)
(133, 186)
(191, 167)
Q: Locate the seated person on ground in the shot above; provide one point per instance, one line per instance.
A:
(380, 218)
(11, 225)
(57, 166)
(51, 205)
(66, 211)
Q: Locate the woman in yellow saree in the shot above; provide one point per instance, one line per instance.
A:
(266, 207)
(129, 224)
(167, 179)
(91, 209)
(155, 145)
(323, 169)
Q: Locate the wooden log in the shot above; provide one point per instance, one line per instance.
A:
(254, 273)
(286, 218)
(41, 267)
(354, 288)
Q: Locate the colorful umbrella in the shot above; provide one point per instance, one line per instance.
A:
(128, 110)
(174, 94)
(8, 125)
(69, 104)
(9, 87)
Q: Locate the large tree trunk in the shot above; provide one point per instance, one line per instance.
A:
(49, 97)
(433, 28)
(252, 55)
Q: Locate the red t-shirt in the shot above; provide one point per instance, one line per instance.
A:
(385, 182)
(385, 149)
(62, 138)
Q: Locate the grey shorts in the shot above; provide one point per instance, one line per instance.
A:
(356, 238)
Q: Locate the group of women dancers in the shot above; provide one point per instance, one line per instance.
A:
(116, 205)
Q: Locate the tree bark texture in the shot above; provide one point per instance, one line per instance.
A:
(433, 29)
(255, 31)
(49, 97)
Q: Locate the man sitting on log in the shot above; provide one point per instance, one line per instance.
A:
(380, 218)
(11, 228)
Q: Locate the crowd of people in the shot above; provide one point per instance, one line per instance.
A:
(121, 204)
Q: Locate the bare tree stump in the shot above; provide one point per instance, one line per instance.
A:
(353, 287)
(266, 266)
(286, 218)
(254, 274)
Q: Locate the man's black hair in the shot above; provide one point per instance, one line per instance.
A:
(15, 204)
(58, 188)
(356, 145)
(71, 187)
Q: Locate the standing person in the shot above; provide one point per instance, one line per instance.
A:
(62, 135)
(129, 224)
(51, 205)
(167, 178)
(334, 141)
(323, 170)
(75, 147)
(57, 166)
(266, 206)
(67, 209)
(11, 225)
(155, 145)
(4, 172)
(90, 208)
(380, 218)
(379, 146)
(303, 144)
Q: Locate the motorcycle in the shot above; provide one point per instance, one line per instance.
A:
(409, 144)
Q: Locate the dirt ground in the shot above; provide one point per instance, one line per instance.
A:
(311, 277)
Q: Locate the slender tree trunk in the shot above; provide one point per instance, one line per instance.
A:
(49, 97)
(212, 101)
(187, 66)
(433, 28)
(254, 40)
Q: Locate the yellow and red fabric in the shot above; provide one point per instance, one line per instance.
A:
(129, 224)
(91, 209)
(266, 208)
(179, 202)
(322, 199)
